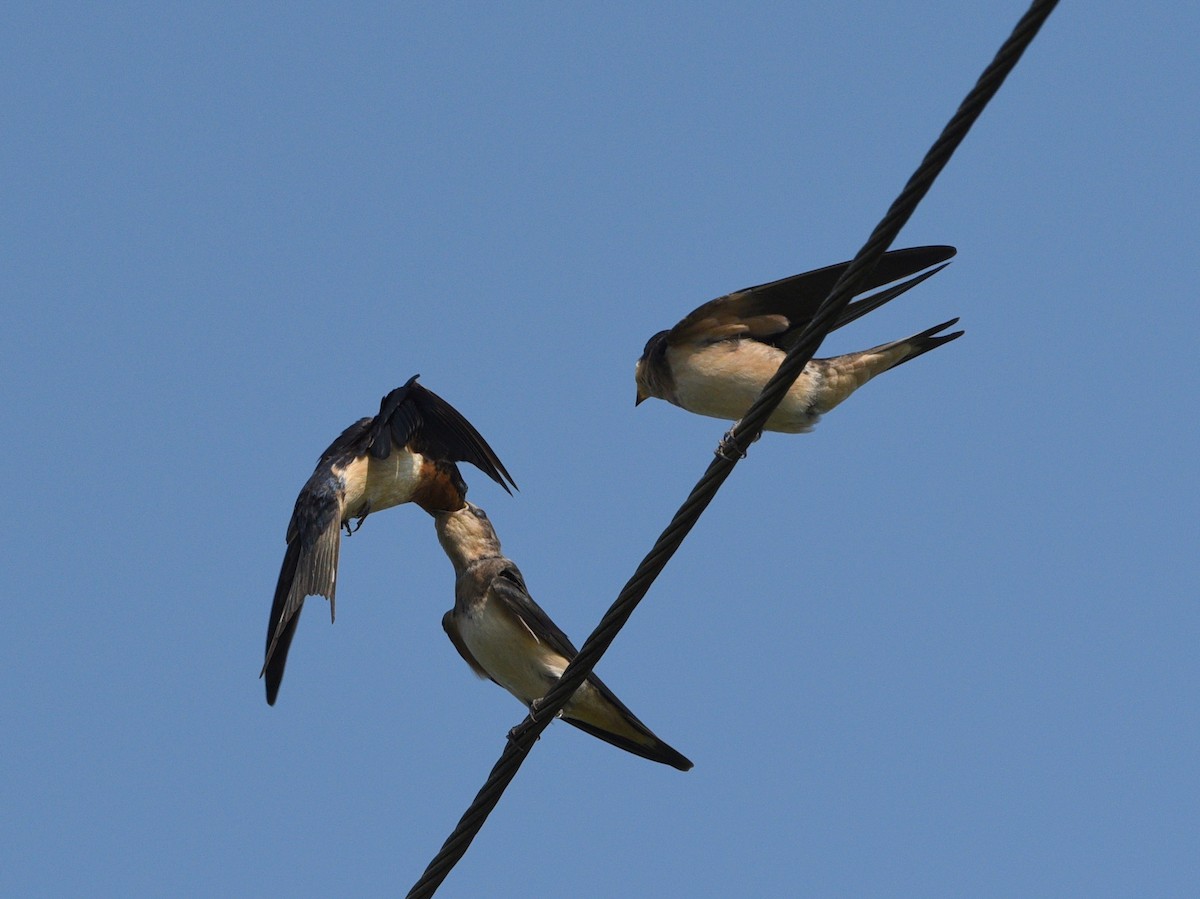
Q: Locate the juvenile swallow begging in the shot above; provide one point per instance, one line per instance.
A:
(504, 635)
(717, 360)
(405, 454)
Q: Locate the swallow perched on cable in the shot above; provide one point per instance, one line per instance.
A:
(504, 635)
(717, 360)
(405, 454)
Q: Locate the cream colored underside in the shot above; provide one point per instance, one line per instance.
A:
(375, 484)
(524, 666)
(510, 653)
(723, 379)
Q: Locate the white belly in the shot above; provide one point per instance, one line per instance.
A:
(510, 654)
(374, 484)
(527, 669)
(724, 379)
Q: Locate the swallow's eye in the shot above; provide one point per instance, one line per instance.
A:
(480, 514)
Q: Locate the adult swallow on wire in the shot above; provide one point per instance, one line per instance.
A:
(405, 454)
(717, 360)
(504, 635)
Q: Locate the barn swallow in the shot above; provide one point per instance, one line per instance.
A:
(717, 360)
(504, 635)
(404, 454)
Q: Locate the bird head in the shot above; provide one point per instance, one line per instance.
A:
(652, 372)
(466, 534)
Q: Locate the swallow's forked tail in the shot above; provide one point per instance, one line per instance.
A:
(922, 343)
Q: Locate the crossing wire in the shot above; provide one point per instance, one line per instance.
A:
(732, 448)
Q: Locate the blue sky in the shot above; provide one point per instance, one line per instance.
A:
(943, 646)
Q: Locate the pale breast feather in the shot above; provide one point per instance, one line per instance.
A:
(376, 484)
(509, 652)
(722, 379)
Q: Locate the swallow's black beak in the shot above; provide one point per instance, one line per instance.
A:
(640, 396)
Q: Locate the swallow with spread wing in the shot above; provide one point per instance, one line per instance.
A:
(504, 635)
(405, 454)
(717, 360)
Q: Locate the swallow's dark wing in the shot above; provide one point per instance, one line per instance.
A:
(775, 312)
(413, 415)
(654, 749)
(509, 588)
(281, 627)
(350, 444)
(857, 310)
(309, 568)
(650, 747)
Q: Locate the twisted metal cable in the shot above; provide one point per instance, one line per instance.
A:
(732, 448)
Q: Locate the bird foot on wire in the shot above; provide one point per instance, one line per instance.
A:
(728, 450)
(535, 708)
(515, 735)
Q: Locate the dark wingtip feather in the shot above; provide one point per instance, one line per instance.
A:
(279, 639)
(677, 761)
(380, 438)
(309, 569)
(412, 415)
(447, 427)
(658, 751)
(272, 670)
(858, 309)
(900, 263)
